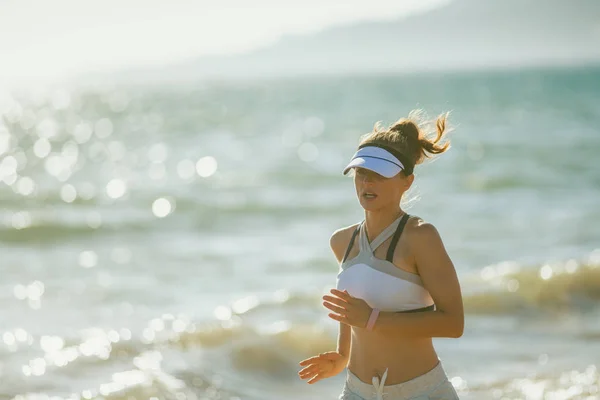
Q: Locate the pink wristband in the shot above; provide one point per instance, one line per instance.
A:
(372, 319)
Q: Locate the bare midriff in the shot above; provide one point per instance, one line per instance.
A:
(372, 352)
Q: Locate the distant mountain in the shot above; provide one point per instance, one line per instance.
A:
(460, 34)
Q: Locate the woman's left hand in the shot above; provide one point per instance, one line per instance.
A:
(348, 309)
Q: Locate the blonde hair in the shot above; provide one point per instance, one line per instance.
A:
(413, 136)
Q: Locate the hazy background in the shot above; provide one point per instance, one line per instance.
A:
(170, 175)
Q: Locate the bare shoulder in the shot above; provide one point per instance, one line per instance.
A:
(340, 239)
(421, 233)
(426, 247)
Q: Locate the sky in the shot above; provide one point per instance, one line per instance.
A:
(45, 40)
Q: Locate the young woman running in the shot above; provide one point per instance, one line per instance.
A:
(397, 287)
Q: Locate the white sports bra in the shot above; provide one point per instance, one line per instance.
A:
(379, 282)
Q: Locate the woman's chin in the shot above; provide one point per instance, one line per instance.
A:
(369, 205)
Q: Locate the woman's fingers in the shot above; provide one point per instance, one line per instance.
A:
(335, 300)
(309, 369)
(316, 378)
(332, 307)
(316, 370)
(344, 295)
(341, 293)
(341, 318)
(309, 360)
(309, 375)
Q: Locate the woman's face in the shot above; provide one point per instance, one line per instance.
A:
(375, 191)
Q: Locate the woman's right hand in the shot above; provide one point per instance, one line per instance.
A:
(325, 365)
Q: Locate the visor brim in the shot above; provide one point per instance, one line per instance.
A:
(382, 167)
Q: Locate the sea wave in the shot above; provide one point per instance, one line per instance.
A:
(511, 289)
(572, 385)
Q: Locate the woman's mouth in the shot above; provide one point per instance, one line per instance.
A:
(369, 195)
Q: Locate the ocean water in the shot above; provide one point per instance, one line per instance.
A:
(171, 241)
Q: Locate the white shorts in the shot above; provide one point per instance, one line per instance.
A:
(432, 385)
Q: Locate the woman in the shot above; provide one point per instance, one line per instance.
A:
(397, 287)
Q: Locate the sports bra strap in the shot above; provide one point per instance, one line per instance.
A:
(396, 237)
(351, 243)
(428, 308)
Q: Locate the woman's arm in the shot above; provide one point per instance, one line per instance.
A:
(344, 340)
(339, 243)
(439, 278)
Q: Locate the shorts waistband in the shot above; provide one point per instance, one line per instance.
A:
(423, 383)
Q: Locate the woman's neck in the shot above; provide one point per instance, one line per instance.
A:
(377, 221)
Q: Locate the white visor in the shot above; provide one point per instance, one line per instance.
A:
(377, 160)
